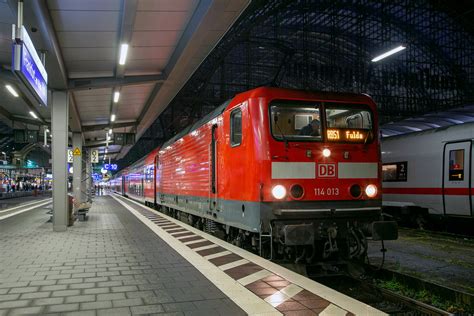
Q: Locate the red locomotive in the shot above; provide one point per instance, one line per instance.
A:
(291, 173)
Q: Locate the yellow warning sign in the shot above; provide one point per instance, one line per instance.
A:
(76, 152)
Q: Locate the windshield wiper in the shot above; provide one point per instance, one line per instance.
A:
(281, 132)
(369, 133)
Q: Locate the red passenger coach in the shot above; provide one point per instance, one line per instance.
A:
(149, 177)
(138, 179)
(277, 167)
(116, 183)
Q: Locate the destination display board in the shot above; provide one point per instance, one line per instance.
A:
(347, 135)
(28, 67)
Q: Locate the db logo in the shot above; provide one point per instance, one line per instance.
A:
(327, 170)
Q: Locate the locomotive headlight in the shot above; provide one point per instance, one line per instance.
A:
(326, 152)
(279, 192)
(371, 190)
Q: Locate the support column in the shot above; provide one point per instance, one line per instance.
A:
(89, 175)
(85, 158)
(77, 167)
(59, 144)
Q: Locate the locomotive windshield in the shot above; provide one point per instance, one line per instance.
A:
(296, 121)
(301, 121)
(348, 123)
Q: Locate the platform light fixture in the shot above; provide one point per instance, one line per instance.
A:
(389, 53)
(116, 96)
(11, 90)
(123, 53)
(33, 114)
(112, 118)
(110, 131)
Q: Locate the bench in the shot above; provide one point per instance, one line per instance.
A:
(82, 209)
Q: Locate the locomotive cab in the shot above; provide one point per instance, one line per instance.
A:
(323, 189)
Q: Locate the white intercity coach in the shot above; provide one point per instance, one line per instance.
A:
(429, 173)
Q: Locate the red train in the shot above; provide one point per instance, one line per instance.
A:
(290, 173)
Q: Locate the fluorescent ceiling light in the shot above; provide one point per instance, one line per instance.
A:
(112, 118)
(106, 151)
(110, 131)
(116, 96)
(11, 90)
(389, 53)
(33, 114)
(123, 54)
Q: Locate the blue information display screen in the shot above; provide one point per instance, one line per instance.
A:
(32, 74)
(28, 67)
(110, 166)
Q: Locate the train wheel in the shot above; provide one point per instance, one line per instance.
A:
(420, 221)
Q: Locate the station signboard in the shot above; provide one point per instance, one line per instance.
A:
(70, 156)
(19, 136)
(94, 156)
(110, 166)
(25, 136)
(124, 139)
(31, 136)
(28, 67)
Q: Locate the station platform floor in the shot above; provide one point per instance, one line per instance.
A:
(128, 259)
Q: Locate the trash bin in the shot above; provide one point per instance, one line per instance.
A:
(71, 217)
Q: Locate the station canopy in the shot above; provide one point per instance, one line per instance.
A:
(82, 42)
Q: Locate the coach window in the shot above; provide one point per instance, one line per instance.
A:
(236, 128)
(456, 165)
(394, 172)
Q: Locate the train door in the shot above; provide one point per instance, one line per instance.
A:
(213, 170)
(456, 178)
(142, 186)
(155, 170)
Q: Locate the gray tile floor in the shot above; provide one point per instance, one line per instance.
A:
(111, 264)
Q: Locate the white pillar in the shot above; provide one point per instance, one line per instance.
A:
(77, 167)
(85, 176)
(89, 175)
(59, 129)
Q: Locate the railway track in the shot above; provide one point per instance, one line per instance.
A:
(409, 303)
(400, 294)
(435, 233)
(455, 228)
